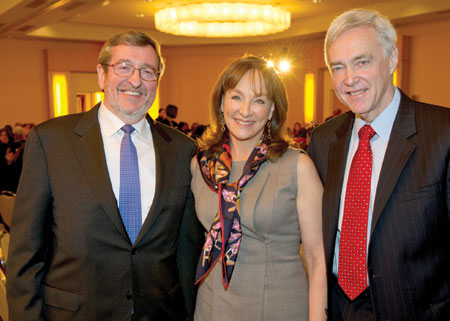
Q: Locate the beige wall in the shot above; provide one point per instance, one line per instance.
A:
(23, 85)
(192, 71)
(430, 55)
(24, 76)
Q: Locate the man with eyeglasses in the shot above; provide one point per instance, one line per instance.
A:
(104, 225)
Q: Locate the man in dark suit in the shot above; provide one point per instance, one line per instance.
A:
(74, 254)
(387, 240)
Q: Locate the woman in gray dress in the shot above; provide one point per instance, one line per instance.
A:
(256, 196)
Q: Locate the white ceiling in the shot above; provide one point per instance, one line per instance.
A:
(97, 20)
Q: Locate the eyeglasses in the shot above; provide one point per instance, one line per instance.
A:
(126, 70)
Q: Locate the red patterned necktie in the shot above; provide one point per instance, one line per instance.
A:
(352, 275)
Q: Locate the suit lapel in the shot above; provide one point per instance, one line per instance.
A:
(398, 152)
(337, 158)
(88, 148)
(165, 163)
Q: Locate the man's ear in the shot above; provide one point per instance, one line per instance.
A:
(393, 60)
(101, 76)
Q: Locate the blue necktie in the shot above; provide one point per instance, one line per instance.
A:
(130, 189)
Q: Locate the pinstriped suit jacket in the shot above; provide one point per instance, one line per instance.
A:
(409, 247)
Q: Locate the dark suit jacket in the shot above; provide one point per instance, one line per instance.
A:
(409, 248)
(70, 256)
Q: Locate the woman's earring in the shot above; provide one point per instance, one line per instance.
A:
(222, 121)
(269, 125)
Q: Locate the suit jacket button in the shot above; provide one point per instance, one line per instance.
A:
(129, 296)
(135, 251)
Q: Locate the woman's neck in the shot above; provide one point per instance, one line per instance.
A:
(240, 151)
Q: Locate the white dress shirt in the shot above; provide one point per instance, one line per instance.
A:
(383, 127)
(142, 139)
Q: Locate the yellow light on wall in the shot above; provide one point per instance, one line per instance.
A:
(154, 109)
(395, 79)
(222, 19)
(309, 97)
(60, 104)
(98, 97)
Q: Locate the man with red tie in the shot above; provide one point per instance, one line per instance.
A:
(385, 169)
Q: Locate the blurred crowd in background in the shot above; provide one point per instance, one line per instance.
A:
(12, 143)
(13, 138)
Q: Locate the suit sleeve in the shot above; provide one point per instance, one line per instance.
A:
(190, 243)
(448, 188)
(311, 145)
(311, 150)
(29, 234)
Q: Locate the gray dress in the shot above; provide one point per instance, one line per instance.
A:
(269, 281)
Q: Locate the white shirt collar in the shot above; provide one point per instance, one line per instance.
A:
(111, 124)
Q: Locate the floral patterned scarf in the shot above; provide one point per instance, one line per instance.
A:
(224, 237)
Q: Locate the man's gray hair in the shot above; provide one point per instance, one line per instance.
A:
(359, 18)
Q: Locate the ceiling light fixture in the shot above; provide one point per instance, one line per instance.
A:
(222, 19)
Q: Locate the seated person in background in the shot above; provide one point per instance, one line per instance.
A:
(183, 127)
(26, 130)
(336, 112)
(199, 131)
(5, 140)
(193, 129)
(299, 135)
(162, 116)
(171, 114)
(11, 167)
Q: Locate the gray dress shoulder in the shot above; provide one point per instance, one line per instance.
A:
(269, 281)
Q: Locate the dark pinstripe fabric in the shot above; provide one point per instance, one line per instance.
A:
(409, 249)
(344, 309)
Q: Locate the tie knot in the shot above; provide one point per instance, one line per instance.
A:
(128, 129)
(366, 132)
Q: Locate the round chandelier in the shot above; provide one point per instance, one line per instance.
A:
(222, 19)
